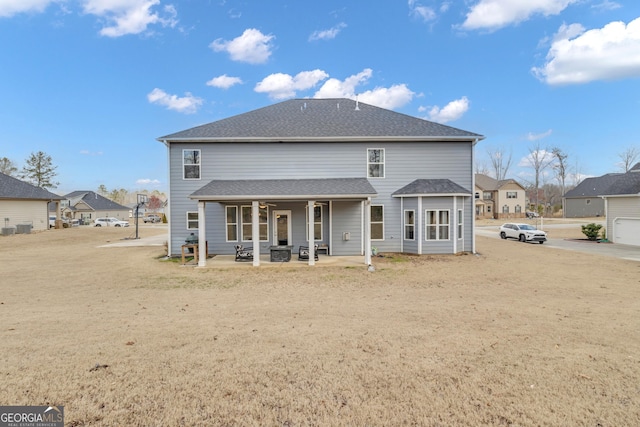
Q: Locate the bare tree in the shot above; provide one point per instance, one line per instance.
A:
(539, 159)
(7, 167)
(500, 162)
(628, 158)
(560, 167)
(481, 168)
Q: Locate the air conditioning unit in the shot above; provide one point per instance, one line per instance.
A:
(8, 231)
(23, 229)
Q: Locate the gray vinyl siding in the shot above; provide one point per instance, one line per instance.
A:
(621, 207)
(578, 207)
(347, 217)
(404, 162)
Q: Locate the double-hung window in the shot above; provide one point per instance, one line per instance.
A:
(409, 224)
(317, 224)
(437, 225)
(191, 161)
(375, 163)
(247, 224)
(192, 220)
(460, 230)
(377, 222)
(232, 223)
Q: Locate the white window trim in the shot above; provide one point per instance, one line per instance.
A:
(383, 163)
(460, 224)
(192, 164)
(227, 224)
(377, 222)
(189, 221)
(242, 224)
(306, 222)
(437, 225)
(405, 225)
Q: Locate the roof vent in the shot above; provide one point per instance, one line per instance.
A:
(357, 107)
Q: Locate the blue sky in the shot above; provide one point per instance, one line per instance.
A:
(93, 83)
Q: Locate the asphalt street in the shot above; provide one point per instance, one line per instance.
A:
(614, 250)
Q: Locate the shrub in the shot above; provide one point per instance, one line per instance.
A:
(591, 230)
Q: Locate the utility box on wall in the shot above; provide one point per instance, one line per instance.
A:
(346, 236)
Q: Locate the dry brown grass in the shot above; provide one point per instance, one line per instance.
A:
(518, 335)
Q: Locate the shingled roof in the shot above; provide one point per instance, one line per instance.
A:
(320, 120)
(13, 188)
(94, 200)
(427, 187)
(285, 189)
(593, 187)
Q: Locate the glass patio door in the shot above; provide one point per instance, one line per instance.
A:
(282, 228)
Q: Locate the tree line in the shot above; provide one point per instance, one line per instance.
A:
(551, 168)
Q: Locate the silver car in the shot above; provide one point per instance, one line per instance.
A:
(110, 222)
(522, 232)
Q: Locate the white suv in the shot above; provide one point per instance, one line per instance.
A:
(110, 222)
(522, 232)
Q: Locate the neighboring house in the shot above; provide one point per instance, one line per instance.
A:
(584, 200)
(86, 206)
(622, 208)
(23, 203)
(499, 199)
(334, 172)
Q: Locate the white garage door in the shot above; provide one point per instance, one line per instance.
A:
(627, 231)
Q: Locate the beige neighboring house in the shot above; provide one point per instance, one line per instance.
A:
(24, 204)
(86, 206)
(499, 199)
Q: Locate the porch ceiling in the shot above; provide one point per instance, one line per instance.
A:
(285, 189)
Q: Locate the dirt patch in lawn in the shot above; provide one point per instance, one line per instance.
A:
(515, 335)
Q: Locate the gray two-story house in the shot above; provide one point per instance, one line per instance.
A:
(350, 177)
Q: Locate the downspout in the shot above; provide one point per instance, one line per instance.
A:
(168, 145)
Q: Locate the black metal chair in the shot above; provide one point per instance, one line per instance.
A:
(303, 253)
(244, 254)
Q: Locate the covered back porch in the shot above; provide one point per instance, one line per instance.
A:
(276, 220)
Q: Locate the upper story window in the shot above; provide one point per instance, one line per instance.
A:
(512, 194)
(375, 163)
(191, 164)
(486, 195)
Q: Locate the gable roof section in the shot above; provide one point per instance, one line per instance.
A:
(431, 187)
(285, 189)
(320, 120)
(13, 188)
(627, 184)
(593, 187)
(94, 200)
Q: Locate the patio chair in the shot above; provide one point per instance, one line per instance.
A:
(244, 254)
(303, 253)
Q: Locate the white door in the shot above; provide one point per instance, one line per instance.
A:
(627, 231)
(282, 228)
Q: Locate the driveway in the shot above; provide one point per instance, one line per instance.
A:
(615, 250)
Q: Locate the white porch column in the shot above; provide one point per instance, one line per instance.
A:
(311, 231)
(202, 236)
(367, 231)
(255, 232)
(453, 220)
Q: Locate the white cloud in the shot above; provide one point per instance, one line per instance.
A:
(224, 81)
(129, 16)
(495, 14)
(450, 112)
(392, 97)
(607, 53)
(147, 182)
(12, 7)
(537, 136)
(537, 156)
(252, 47)
(282, 86)
(607, 5)
(187, 104)
(329, 34)
(91, 153)
(423, 12)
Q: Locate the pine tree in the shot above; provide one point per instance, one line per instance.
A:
(39, 170)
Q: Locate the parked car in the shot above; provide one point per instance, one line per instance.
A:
(110, 222)
(152, 218)
(531, 214)
(522, 232)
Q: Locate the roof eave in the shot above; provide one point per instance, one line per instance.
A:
(287, 197)
(433, 195)
(473, 139)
